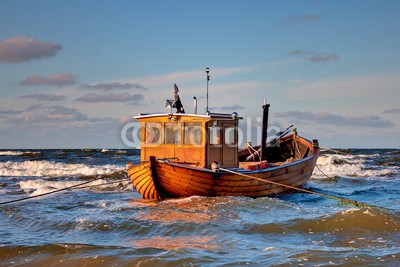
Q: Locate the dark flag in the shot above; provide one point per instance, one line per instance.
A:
(178, 103)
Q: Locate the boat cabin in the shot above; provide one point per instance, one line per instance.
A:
(194, 139)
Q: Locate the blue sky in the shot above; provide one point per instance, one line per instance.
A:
(73, 73)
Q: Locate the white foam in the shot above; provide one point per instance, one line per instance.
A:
(42, 186)
(54, 169)
(349, 165)
(38, 187)
(17, 153)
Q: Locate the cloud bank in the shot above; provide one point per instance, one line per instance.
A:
(113, 86)
(58, 79)
(9, 111)
(392, 111)
(337, 120)
(44, 97)
(233, 107)
(52, 114)
(316, 57)
(21, 49)
(111, 97)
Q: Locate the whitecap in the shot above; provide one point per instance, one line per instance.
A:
(349, 165)
(17, 153)
(54, 169)
(38, 187)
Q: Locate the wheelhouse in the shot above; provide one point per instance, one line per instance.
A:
(198, 140)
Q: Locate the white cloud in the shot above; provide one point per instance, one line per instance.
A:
(190, 76)
(379, 88)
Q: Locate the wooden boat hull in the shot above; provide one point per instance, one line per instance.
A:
(160, 179)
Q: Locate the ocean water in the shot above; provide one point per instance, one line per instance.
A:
(106, 223)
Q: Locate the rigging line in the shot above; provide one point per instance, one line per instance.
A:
(343, 200)
(48, 193)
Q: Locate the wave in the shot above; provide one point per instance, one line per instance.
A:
(351, 222)
(19, 153)
(113, 151)
(41, 186)
(334, 165)
(44, 168)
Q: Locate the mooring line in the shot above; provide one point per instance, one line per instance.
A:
(89, 186)
(343, 200)
(77, 186)
(329, 177)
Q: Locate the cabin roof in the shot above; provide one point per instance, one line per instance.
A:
(207, 117)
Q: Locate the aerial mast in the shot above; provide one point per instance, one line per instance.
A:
(208, 78)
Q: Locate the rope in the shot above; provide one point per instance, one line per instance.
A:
(77, 186)
(329, 177)
(342, 200)
(295, 143)
(89, 186)
(253, 155)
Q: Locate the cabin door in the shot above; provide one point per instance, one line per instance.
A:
(229, 148)
(222, 146)
(214, 145)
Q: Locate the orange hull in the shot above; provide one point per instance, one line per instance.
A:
(162, 179)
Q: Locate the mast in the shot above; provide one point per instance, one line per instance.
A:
(208, 78)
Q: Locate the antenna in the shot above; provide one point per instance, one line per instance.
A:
(208, 78)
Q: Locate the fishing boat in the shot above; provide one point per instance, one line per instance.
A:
(198, 155)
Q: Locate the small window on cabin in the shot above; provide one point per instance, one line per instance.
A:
(172, 132)
(192, 133)
(230, 133)
(215, 135)
(153, 133)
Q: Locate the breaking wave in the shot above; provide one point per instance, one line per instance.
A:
(335, 165)
(44, 168)
(41, 186)
(19, 153)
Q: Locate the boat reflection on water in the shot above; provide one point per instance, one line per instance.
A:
(189, 216)
(191, 209)
(182, 242)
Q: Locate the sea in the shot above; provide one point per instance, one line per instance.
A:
(77, 208)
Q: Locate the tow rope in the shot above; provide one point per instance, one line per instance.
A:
(77, 186)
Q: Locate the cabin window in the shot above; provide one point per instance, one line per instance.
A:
(192, 133)
(172, 132)
(153, 133)
(215, 135)
(230, 133)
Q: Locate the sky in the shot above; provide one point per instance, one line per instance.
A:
(74, 73)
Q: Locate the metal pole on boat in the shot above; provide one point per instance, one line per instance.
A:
(264, 130)
(195, 104)
(208, 78)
